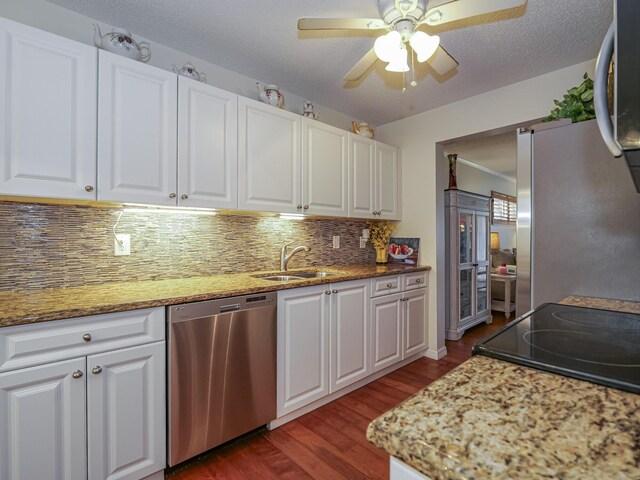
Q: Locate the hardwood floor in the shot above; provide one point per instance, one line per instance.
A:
(330, 443)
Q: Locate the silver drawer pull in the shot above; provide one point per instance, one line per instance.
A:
(327, 292)
(96, 370)
(77, 374)
(389, 285)
(86, 337)
(418, 280)
(334, 291)
(230, 308)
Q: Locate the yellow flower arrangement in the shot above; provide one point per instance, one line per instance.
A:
(379, 234)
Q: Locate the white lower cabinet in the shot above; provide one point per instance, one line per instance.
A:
(126, 412)
(42, 422)
(334, 335)
(399, 320)
(386, 330)
(97, 416)
(322, 341)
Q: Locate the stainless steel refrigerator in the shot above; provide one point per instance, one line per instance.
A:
(578, 217)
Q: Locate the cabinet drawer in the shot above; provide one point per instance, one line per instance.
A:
(385, 285)
(411, 281)
(27, 345)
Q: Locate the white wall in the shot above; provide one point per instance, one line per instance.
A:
(479, 181)
(424, 179)
(58, 20)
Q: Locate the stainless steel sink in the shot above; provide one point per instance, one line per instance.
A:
(280, 278)
(313, 274)
(295, 276)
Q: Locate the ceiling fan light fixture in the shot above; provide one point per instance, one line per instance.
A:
(424, 45)
(387, 46)
(399, 62)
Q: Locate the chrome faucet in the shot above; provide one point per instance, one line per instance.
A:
(284, 258)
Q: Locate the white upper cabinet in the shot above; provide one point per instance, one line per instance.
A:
(325, 164)
(362, 172)
(374, 178)
(48, 91)
(268, 158)
(207, 146)
(137, 130)
(387, 171)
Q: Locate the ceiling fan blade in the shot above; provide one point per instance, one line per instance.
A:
(341, 24)
(361, 67)
(460, 9)
(442, 62)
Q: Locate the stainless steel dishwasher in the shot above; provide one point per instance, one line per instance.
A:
(222, 371)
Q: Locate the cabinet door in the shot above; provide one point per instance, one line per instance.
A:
(268, 158)
(482, 258)
(126, 412)
(387, 168)
(207, 146)
(303, 349)
(325, 169)
(415, 327)
(42, 422)
(386, 331)
(349, 333)
(137, 124)
(48, 88)
(362, 173)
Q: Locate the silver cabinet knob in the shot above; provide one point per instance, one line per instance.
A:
(96, 370)
(334, 291)
(327, 292)
(172, 195)
(389, 285)
(184, 196)
(418, 280)
(299, 206)
(89, 188)
(86, 337)
(306, 207)
(77, 374)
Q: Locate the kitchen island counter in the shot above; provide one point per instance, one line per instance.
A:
(493, 419)
(31, 306)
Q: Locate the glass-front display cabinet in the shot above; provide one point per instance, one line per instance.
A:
(468, 296)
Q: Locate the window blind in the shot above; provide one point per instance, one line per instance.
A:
(504, 209)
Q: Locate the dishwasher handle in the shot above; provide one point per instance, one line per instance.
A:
(229, 308)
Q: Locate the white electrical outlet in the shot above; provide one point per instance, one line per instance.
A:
(363, 242)
(336, 241)
(122, 246)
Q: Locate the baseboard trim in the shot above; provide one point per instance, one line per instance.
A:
(436, 354)
(343, 391)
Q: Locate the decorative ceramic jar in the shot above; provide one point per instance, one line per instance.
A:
(121, 42)
(363, 129)
(189, 71)
(309, 110)
(271, 95)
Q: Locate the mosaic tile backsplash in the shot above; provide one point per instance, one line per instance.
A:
(44, 246)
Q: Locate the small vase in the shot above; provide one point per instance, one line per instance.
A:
(453, 160)
(381, 255)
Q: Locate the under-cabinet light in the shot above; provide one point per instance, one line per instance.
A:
(140, 208)
(291, 216)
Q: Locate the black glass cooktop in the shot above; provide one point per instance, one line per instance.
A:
(600, 346)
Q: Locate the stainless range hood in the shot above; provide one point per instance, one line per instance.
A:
(622, 42)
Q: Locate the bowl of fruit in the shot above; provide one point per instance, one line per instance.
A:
(400, 252)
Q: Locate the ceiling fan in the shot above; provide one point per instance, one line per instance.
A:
(402, 19)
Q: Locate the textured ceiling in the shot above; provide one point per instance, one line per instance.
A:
(496, 152)
(260, 39)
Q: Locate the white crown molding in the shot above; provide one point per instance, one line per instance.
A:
(485, 169)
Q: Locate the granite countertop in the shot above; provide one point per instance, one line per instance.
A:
(493, 419)
(22, 307)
